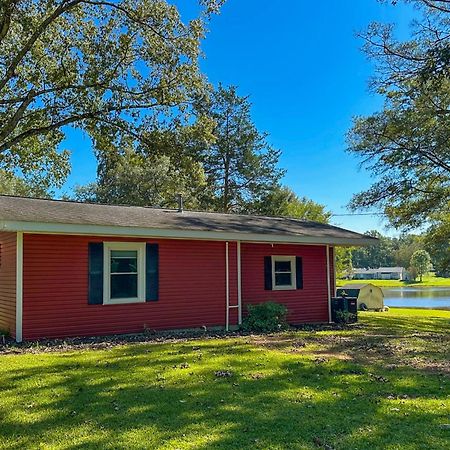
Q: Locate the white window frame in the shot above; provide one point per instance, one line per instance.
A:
(131, 246)
(293, 285)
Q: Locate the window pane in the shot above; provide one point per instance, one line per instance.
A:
(283, 279)
(123, 263)
(124, 286)
(282, 266)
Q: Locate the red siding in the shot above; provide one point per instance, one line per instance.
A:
(8, 282)
(232, 262)
(192, 289)
(309, 304)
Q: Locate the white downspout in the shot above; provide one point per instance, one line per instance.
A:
(239, 282)
(227, 289)
(333, 291)
(19, 285)
(328, 283)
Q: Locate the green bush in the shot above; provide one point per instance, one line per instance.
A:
(345, 317)
(265, 317)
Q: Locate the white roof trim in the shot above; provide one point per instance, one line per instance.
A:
(102, 230)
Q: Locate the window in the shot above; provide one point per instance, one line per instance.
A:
(283, 272)
(124, 274)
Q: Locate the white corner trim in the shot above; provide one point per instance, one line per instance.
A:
(19, 286)
(328, 283)
(227, 287)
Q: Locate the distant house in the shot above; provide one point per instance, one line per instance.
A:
(382, 273)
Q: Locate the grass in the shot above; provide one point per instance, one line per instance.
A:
(428, 281)
(380, 384)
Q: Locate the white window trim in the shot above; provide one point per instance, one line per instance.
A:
(107, 248)
(293, 285)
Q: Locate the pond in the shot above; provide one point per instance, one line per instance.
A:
(426, 297)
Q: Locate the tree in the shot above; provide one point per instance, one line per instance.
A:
(406, 145)
(240, 166)
(13, 185)
(437, 243)
(421, 261)
(376, 255)
(344, 263)
(405, 246)
(150, 175)
(281, 201)
(102, 66)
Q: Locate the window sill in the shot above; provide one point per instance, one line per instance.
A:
(123, 301)
(284, 288)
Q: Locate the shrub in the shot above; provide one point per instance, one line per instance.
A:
(265, 317)
(344, 317)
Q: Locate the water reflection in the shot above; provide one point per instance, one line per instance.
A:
(433, 297)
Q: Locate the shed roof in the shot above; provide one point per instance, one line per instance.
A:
(58, 216)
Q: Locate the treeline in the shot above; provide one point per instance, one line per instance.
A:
(396, 251)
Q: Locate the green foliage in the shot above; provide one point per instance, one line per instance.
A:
(406, 144)
(265, 317)
(218, 162)
(421, 261)
(344, 261)
(11, 184)
(281, 201)
(110, 68)
(378, 255)
(147, 177)
(405, 246)
(437, 243)
(345, 317)
(4, 334)
(391, 251)
(239, 164)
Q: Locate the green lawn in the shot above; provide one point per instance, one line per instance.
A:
(380, 384)
(428, 281)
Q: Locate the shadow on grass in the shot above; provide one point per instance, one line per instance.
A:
(169, 396)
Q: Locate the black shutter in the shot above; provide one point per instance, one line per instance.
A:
(268, 273)
(151, 272)
(95, 251)
(299, 272)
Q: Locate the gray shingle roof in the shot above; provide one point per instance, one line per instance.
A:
(27, 214)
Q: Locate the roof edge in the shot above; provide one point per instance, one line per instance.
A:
(140, 232)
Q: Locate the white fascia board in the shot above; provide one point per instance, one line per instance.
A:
(138, 232)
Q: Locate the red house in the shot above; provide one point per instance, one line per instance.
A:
(77, 269)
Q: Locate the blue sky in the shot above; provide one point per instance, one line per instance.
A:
(302, 66)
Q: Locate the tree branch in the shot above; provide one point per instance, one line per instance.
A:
(12, 123)
(433, 5)
(62, 8)
(74, 119)
(5, 21)
(123, 10)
